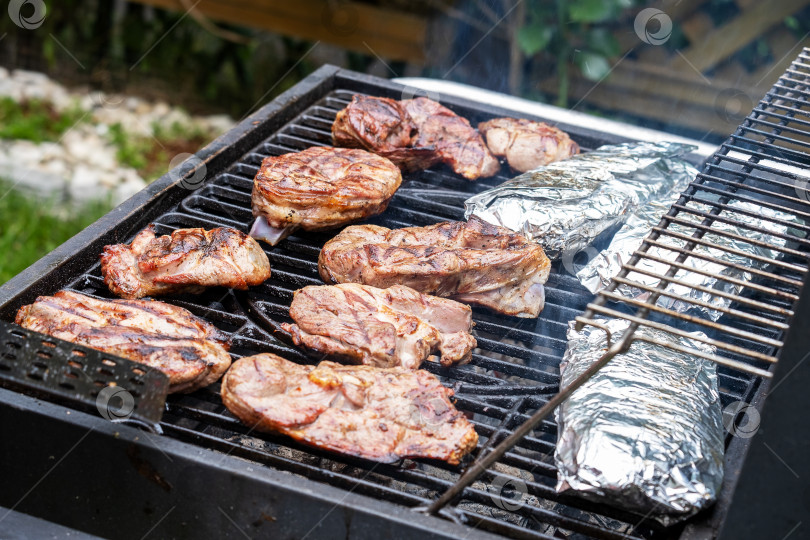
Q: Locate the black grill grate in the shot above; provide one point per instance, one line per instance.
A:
(515, 370)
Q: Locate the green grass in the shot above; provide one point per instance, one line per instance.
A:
(150, 156)
(35, 120)
(30, 227)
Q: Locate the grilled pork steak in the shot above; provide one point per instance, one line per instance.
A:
(320, 188)
(374, 413)
(472, 262)
(459, 144)
(187, 261)
(389, 327)
(190, 351)
(527, 145)
(415, 134)
(382, 126)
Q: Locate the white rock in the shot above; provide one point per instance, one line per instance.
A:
(84, 184)
(126, 190)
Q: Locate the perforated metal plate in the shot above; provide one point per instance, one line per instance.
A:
(82, 378)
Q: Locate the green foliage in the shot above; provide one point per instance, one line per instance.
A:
(573, 32)
(593, 66)
(131, 151)
(534, 38)
(590, 11)
(35, 120)
(31, 227)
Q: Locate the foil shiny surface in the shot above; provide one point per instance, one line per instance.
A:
(596, 275)
(646, 432)
(565, 205)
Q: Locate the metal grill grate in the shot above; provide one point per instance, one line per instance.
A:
(515, 370)
(763, 162)
(757, 164)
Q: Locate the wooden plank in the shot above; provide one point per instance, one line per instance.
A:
(352, 25)
(656, 107)
(731, 37)
(661, 81)
(697, 26)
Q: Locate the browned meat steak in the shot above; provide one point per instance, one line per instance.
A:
(472, 262)
(527, 145)
(187, 261)
(382, 126)
(389, 327)
(415, 134)
(459, 144)
(374, 413)
(320, 188)
(192, 352)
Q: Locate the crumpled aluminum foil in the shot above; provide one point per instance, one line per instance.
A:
(596, 275)
(567, 204)
(646, 432)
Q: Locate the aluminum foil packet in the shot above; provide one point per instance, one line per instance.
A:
(567, 204)
(596, 275)
(646, 432)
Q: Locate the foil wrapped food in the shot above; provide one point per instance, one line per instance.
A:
(709, 274)
(645, 433)
(565, 205)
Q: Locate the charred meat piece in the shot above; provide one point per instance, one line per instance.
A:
(415, 134)
(373, 413)
(320, 188)
(527, 145)
(472, 262)
(459, 144)
(190, 351)
(389, 327)
(187, 261)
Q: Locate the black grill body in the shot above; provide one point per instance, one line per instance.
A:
(208, 475)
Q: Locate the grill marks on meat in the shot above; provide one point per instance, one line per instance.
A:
(190, 351)
(382, 126)
(187, 261)
(527, 145)
(473, 262)
(374, 413)
(320, 188)
(415, 134)
(459, 144)
(389, 327)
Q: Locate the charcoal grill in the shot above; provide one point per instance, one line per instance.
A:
(207, 474)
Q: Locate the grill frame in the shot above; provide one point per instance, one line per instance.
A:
(134, 214)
